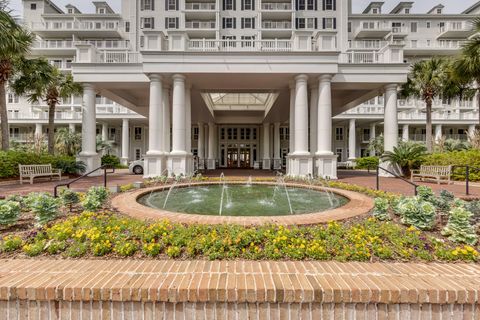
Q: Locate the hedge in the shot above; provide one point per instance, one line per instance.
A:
(366, 163)
(457, 158)
(9, 161)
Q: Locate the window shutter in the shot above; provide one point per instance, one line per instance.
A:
(177, 23)
(166, 23)
(316, 23)
(234, 5)
(153, 23)
(223, 4)
(324, 5)
(315, 4)
(296, 5)
(153, 5)
(234, 23)
(253, 23)
(177, 6)
(223, 23)
(242, 22)
(166, 5)
(242, 5)
(334, 23)
(296, 23)
(253, 5)
(324, 23)
(142, 22)
(142, 5)
(334, 4)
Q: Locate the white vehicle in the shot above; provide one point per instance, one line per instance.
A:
(136, 167)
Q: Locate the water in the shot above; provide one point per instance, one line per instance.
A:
(241, 200)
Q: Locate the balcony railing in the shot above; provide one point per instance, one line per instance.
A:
(456, 26)
(276, 25)
(76, 114)
(441, 44)
(54, 44)
(441, 115)
(276, 6)
(117, 57)
(361, 57)
(107, 44)
(400, 30)
(100, 25)
(207, 45)
(200, 6)
(200, 24)
(367, 44)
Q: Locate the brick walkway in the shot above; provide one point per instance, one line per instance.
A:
(127, 289)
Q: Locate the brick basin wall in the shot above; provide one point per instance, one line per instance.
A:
(197, 289)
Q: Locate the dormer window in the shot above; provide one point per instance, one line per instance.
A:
(375, 11)
(70, 11)
(439, 11)
(407, 11)
(33, 6)
(101, 11)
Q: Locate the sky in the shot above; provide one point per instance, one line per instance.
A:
(421, 6)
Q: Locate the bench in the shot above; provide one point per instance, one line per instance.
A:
(438, 173)
(31, 171)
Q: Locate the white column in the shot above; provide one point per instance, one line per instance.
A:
(277, 160)
(104, 131)
(471, 130)
(38, 130)
(301, 115)
(292, 119)
(178, 116)
(313, 119)
(405, 132)
(166, 119)
(206, 140)
(373, 135)
(201, 141)
(89, 153)
(266, 147)
(71, 127)
(211, 146)
(352, 140)
(125, 141)
(438, 132)
(324, 116)
(390, 126)
(188, 119)
(155, 162)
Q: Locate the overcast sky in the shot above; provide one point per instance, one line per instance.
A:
(421, 6)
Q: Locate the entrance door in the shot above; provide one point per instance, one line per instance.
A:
(232, 158)
(244, 158)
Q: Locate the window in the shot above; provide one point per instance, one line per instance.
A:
(247, 5)
(138, 154)
(248, 23)
(329, 5)
(33, 6)
(306, 23)
(284, 133)
(413, 27)
(138, 133)
(429, 43)
(439, 11)
(229, 23)
(228, 4)
(247, 41)
(429, 24)
(70, 11)
(329, 23)
(339, 153)
(112, 133)
(147, 5)
(339, 134)
(12, 98)
(56, 63)
(413, 43)
(366, 134)
(147, 23)
(101, 11)
(349, 27)
(300, 4)
(127, 26)
(195, 133)
(442, 26)
(68, 64)
(171, 5)
(375, 11)
(311, 4)
(407, 11)
(171, 23)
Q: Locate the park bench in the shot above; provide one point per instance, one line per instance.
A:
(32, 171)
(437, 173)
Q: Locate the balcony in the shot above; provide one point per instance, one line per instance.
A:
(400, 31)
(107, 44)
(207, 45)
(439, 47)
(200, 6)
(367, 44)
(65, 28)
(361, 57)
(280, 25)
(117, 57)
(453, 30)
(200, 25)
(373, 29)
(277, 6)
(439, 116)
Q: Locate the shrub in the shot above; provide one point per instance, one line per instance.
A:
(457, 158)
(458, 228)
(474, 208)
(416, 212)
(95, 198)
(44, 206)
(11, 243)
(407, 156)
(380, 210)
(426, 194)
(69, 198)
(34, 249)
(111, 160)
(367, 163)
(70, 165)
(445, 201)
(9, 212)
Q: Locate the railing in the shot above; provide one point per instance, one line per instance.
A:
(364, 109)
(100, 25)
(415, 186)
(107, 44)
(54, 44)
(400, 30)
(418, 137)
(441, 44)
(276, 6)
(276, 25)
(200, 6)
(456, 26)
(117, 57)
(67, 184)
(439, 116)
(200, 24)
(367, 44)
(207, 45)
(59, 115)
(361, 57)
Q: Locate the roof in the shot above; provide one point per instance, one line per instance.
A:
(68, 6)
(103, 4)
(472, 8)
(54, 6)
(438, 6)
(376, 4)
(402, 5)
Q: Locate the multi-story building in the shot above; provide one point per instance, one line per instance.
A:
(300, 84)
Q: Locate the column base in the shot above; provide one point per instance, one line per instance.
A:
(154, 166)
(326, 166)
(92, 162)
(351, 163)
(277, 164)
(266, 164)
(211, 164)
(390, 167)
(300, 165)
(124, 161)
(180, 165)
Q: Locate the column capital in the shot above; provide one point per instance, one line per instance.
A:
(155, 77)
(291, 84)
(391, 87)
(301, 77)
(178, 77)
(88, 86)
(325, 78)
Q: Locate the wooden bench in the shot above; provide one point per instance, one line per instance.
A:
(37, 170)
(437, 173)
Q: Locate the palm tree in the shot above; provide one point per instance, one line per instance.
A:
(467, 65)
(68, 142)
(407, 156)
(427, 80)
(14, 43)
(41, 81)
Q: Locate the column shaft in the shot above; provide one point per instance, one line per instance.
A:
(391, 118)
(104, 132)
(38, 130)
(125, 140)
(89, 122)
(352, 140)
(166, 119)
(324, 116)
(438, 132)
(276, 139)
(405, 132)
(188, 119)
(201, 141)
(266, 141)
(301, 115)
(71, 127)
(313, 120)
(291, 121)
(178, 116)
(373, 135)
(155, 121)
(211, 140)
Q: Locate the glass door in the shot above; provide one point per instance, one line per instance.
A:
(244, 158)
(232, 158)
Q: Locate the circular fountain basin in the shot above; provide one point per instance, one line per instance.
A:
(245, 204)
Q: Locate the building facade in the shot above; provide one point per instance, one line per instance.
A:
(269, 84)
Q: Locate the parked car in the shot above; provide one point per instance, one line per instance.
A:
(136, 167)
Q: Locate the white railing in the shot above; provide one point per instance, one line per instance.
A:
(276, 25)
(367, 44)
(117, 57)
(200, 6)
(276, 6)
(441, 44)
(42, 115)
(200, 24)
(462, 137)
(440, 115)
(54, 44)
(113, 109)
(21, 136)
(400, 30)
(363, 109)
(107, 44)
(207, 45)
(100, 25)
(456, 26)
(437, 103)
(361, 57)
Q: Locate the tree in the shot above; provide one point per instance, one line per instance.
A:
(427, 80)
(407, 156)
(68, 142)
(14, 43)
(40, 81)
(467, 65)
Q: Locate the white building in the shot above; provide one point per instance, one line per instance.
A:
(242, 83)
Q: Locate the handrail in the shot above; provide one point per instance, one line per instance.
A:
(396, 176)
(67, 184)
(468, 169)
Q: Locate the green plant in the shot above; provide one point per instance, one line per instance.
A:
(76, 250)
(380, 210)
(9, 212)
(111, 160)
(426, 194)
(44, 206)
(95, 198)
(445, 201)
(126, 187)
(458, 228)
(34, 249)
(125, 248)
(417, 212)
(367, 163)
(68, 142)
(69, 198)
(458, 159)
(377, 145)
(407, 156)
(11, 243)
(70, 166)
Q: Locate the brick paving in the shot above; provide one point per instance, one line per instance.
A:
(166, 289)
